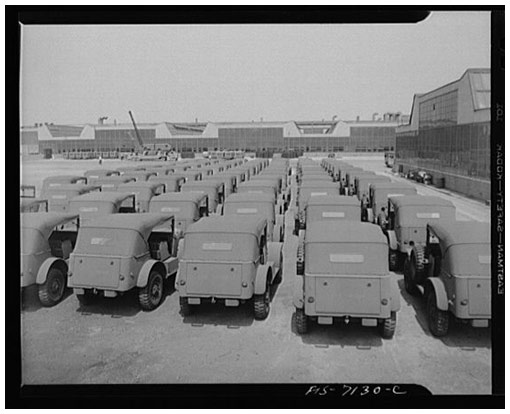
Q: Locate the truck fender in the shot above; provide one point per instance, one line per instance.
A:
(261, 279)
(392, 239)
(180, 248)
(145, 271)
(395, 296)
(439, 290)
(42, 274)
(298, 292)
(274, 253)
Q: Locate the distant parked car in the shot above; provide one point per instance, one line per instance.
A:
(423, 177)
(412, 174)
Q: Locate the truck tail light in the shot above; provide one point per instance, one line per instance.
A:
(464, 302)
(384, 302)
(244, 284)
(182, 282)
(311, 299)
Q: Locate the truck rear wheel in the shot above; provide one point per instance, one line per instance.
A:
(150, 296)
(409, 283)
(261, 305)
(388, 326)
(417, 264)
(52, 291)
(438, 320)
(301, 322)
(393, 259)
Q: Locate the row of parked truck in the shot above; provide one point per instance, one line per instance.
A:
(355, 226)
(218, 224)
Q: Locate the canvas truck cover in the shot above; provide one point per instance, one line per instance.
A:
(182, 205)
(466, 247)
(345, 248)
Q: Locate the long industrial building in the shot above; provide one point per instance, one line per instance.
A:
(377, 134)
(448, 134)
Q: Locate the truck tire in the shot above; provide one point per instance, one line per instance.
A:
(261, 305)
(438, 320)
(393, 257)
(52, 290)
(186, 308)
(388, 326)
(409, 283)
(150, 296)
(301, 322)
(300, 260)
(417, 265)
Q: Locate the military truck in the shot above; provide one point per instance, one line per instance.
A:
(407, 218)
(454, 267)
(257, 204)
(228, 259)
(117, 253)
(378, 194)
(345, 277)
(143, 191)
(215, 190)
(95, 204)
(45, 250)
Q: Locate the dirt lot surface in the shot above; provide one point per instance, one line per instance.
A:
(112, 341)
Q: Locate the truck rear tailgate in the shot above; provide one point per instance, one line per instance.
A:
(479, 297)
(212, 279)
(348, 295)
(95, 271)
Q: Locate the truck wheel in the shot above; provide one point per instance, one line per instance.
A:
(438, 319)
(52, 291)
(409, 284)
(85, 299)
(417, 266)
(301, 322)
(388, 326)
(261, 305)
(393, 259)
(186, 308)
(150, 296)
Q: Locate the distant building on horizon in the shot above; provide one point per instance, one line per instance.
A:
(448, 134)
(373, 135)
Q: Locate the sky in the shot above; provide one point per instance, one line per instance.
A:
(75, 74)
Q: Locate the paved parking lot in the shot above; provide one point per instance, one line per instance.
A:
(112, 341)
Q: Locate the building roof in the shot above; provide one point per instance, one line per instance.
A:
(465, 232)
(229, 224)
(65, 130)
(480, 82)
(420, 200)
(344, 232)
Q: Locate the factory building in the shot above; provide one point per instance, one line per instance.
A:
(373, 135)
(448, 135)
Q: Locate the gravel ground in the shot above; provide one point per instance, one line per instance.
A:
(112, 341)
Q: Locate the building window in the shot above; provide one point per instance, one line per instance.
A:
(440, 111)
